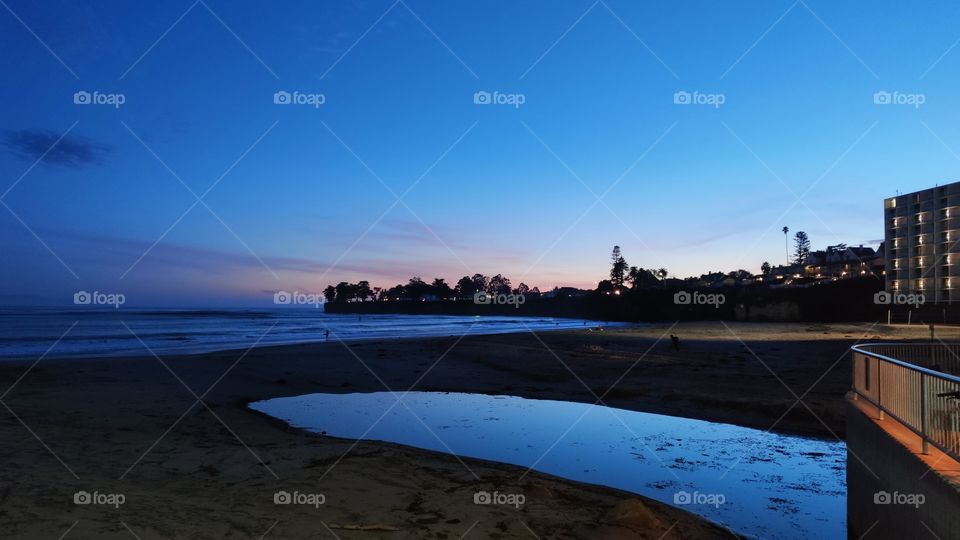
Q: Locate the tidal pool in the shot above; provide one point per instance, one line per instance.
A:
(757, 483)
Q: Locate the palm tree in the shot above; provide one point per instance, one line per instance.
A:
(662, 274)
(786, 248)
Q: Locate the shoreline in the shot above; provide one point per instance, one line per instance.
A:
(213, 347)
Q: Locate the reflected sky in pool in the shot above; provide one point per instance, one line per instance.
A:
(771, 486)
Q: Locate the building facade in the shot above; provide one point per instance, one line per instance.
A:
(922, 232)
(842, 262)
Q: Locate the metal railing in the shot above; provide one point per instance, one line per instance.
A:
(914, 383)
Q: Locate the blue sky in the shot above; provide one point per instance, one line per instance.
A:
(309, 196)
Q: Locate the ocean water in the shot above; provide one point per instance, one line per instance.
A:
(757, 483)
(58, 332)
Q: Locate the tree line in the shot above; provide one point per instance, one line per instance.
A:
(418, 289)
(623, 276)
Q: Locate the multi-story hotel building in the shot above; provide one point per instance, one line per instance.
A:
(922, 231)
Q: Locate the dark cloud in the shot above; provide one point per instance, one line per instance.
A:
(71, 151)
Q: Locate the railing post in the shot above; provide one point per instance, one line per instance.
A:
(923, 413)
(854, 356)
(879, 389)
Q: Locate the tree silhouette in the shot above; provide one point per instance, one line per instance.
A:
(441, 289)
(417, 288)
(363, 291)
(786, 249)
(633, 276)
(481, 282)
(801, 249)
(465, 287)
(765, 268)
(396, 293)
(618, 268)
(345, 291)
(330, 293)
(499, 285)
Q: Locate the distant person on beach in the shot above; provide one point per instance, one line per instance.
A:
(326, 334)
(676, 342)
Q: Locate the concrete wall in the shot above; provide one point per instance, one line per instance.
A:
(901, 471)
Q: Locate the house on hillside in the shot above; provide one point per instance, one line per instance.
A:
(841, 262)
(779, 274)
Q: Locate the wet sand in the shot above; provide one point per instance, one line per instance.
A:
(210, 469)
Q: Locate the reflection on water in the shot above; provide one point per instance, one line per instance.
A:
(757, 483)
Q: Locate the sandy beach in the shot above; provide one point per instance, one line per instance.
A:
(210, 469)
